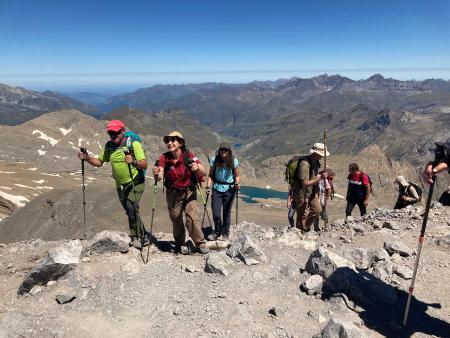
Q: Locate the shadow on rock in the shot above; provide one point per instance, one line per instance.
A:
(381, 306)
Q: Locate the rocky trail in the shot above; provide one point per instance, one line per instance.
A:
(351, 281)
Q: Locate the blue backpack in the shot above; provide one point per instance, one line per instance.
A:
(132, 137)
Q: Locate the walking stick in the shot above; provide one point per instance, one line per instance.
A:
(154, 200)
(325, 180)
(237, 203)
(205, 210)
(419, 250)
(83, 188)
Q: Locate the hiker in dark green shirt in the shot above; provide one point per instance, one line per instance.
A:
(128, 164)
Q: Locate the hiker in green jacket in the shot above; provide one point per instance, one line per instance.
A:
(125, 161)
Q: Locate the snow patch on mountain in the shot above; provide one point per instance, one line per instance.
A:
(16, 199)
(45, 137)
(65, 131)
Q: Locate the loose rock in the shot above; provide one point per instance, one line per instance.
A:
(65, 298)
(110, 241)
(59, 261)
(398, 247)
(313, 285)
(340, 329)
(216, 262)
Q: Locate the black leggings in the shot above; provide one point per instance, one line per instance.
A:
(221, 204)
(351, 205)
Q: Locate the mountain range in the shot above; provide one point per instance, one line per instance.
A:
(270, 118)
(18, 105)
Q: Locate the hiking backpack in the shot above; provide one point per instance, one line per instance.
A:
(133, 137)
(293, 167)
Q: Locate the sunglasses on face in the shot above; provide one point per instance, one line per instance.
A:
(168, 139)
(114, 134)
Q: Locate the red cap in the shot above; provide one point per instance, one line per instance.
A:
(115, 125)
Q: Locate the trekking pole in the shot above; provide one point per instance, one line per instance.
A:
(83, 188)
(237, 203)
(419, 250)
(142, 231)
(205, 210)
(154, 200)
(325, 180)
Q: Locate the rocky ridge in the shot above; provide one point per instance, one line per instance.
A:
(350, 281)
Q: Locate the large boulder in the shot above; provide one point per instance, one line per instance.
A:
(340, 329)
(110, 241)
(325, 263)
(59, 261)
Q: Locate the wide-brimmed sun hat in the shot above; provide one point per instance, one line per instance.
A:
(401, 180)
(319, 149)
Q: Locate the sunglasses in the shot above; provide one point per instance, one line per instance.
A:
(114, 134)
(168, 139)
(224, 149)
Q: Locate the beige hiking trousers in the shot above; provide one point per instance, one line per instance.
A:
(179, 202)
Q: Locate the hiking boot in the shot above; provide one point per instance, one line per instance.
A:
(184, 249)
(211, 237)
(145, 242)
(136, 243)
(225, 237)
(176, 249)
(203, 249)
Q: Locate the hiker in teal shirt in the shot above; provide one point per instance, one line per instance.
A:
(223, 181)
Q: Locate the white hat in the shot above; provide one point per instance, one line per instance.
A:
(402, 181)
(319, 148)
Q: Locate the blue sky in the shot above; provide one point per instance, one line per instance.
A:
(87, 44)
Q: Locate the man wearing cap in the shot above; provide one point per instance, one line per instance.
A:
(306, 188)
(128, 165)
(407, 193)
(181, 171)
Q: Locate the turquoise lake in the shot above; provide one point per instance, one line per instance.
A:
(248, 193)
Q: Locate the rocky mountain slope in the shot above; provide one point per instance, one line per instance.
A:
(351, 281)
(18, 105)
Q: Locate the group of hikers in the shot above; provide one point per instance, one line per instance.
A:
(182, 174)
